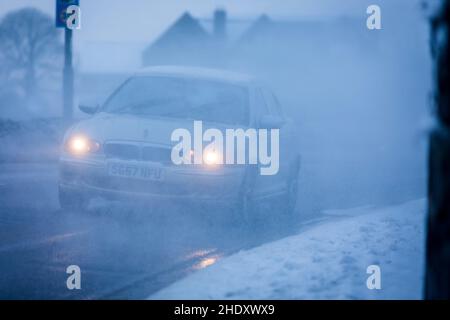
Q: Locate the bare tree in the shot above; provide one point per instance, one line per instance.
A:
(30, 51)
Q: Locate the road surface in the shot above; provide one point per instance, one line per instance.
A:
(130, 252)
(123, 251)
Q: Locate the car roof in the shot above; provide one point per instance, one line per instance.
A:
(199, 73)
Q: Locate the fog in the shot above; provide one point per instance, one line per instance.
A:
(360, 101)
(361, 98)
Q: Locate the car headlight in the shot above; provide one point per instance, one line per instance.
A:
(80, 145)
(211, 157)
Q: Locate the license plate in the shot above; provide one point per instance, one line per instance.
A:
(127, 170)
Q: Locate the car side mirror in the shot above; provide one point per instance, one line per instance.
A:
(88, 109)
(271, 122)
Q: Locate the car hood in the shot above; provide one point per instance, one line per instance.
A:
(105, 126)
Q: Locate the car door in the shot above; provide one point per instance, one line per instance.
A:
(271, 184)
(289, 149)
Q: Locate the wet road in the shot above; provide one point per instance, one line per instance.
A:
(130, 252)
(123, 251)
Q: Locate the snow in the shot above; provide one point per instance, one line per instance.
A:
(325, 261)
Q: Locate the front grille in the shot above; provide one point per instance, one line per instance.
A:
(127, 151)
(122, 151)
(156, 154)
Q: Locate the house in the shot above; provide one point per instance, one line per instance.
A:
(224, 42)
(188, 42)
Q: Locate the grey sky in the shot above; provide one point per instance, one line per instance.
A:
(138, 22)
(143, 20)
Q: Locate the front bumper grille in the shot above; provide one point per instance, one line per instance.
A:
(156, 154)
(122, 151)
(138, 152)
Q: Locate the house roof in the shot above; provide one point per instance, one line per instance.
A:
(191, 41)
(235, 28)
(185, 29)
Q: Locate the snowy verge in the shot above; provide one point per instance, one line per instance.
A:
(326, 261)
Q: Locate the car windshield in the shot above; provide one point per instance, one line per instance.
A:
(182, 98)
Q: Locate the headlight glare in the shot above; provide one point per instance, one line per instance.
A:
(80, 145)
(211, 158)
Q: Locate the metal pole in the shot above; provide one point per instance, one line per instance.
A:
(68, 75)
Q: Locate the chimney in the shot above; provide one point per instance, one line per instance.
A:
(220, 21)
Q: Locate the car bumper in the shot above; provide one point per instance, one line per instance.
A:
(190, 183)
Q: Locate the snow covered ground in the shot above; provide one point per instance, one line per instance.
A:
(325, 261)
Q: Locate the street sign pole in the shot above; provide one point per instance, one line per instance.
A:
(68, 81)
(61, 21)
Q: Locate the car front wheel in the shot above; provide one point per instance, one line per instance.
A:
(245, 209)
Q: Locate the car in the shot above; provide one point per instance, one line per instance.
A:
(125, 148)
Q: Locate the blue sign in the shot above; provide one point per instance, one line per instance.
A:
(61, 11)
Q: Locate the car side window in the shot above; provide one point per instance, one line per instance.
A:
(261, 103)
(272, 102)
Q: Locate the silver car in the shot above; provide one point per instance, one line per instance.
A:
(124, 149)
